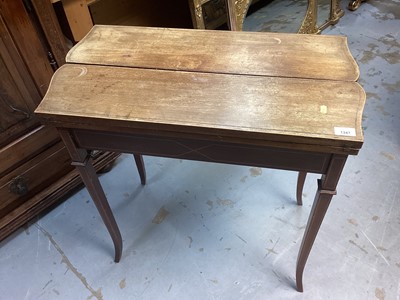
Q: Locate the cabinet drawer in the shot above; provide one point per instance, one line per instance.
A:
(25, 181)
(21, 150)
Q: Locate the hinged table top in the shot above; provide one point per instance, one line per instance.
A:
(284, 90)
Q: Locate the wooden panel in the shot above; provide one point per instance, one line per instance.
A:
(18, 94)
(51, 28)
(38, 173)
(26, 147)
(27, 41)
(48, 196)
(79, 19)
(255, 53)
(13, 108)
(171, 13)
(16, 68)
(114, 11)
(204, 151)
(269, 109)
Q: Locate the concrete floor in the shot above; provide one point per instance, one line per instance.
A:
(210, 231)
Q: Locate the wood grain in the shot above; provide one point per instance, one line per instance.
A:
(279, 90)
(27, 41)
(26, 147)
(51, 195)
(231, 97)
(253, 53)
(79, 19)
(51, 28)
(35, 178)
(223, 105)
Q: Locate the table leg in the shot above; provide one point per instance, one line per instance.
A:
(140, 167)
(83, 163)
(326, 189)
(300, 185)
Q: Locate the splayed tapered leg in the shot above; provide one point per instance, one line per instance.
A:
(82, 160)
(326, 189)
(91, 181)
(300, 185)
(140, 167)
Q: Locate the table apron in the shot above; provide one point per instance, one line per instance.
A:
(203, 150)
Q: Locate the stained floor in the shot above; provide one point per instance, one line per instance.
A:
(210, 231)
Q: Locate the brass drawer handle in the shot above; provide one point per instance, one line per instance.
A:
(19, 186)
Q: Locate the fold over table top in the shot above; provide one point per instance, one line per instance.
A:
(283, 90)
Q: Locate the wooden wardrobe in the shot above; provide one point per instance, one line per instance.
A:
(35, 170)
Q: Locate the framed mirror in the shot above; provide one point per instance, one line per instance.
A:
(301, 16)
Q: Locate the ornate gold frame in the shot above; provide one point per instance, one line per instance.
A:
(354, 4)
(335, 14)
(237, 10)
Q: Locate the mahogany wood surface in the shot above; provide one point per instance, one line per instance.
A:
(304, 88)
(270, 109)
(253, 53)
(269, 100)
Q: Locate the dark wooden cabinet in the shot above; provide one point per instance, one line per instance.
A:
(35, 170)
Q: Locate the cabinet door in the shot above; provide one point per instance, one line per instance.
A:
(27, 149)
(13, 109)
(20, 24)
(18, 93)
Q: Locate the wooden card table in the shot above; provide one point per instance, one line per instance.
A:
(270, 100)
